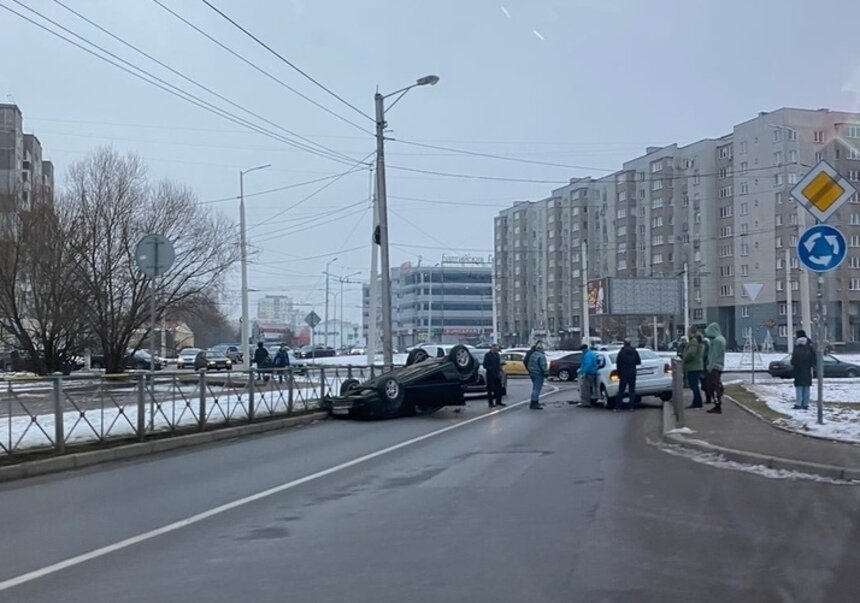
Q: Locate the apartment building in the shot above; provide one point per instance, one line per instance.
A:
(719, 208)
(25, 177)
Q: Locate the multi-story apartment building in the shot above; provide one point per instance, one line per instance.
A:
(448, 303)
(276, 308)
(719, 208)
(25, 177)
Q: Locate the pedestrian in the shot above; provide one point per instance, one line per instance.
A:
(493, 368)
(802, 363)
(625, 363)
(537, 368)
(281, 362)
(714, 367)
(587, 374)
(694, 364)
(261, 358)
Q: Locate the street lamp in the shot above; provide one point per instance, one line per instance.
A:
(244, 261)
(325, 324)
(382, 207)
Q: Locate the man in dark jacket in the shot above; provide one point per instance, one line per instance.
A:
(281, 362)
(493, 368)
(802, 363)
(261, 357)
(625, 363)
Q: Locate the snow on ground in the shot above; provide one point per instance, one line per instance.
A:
(841, 408)
(739, 362)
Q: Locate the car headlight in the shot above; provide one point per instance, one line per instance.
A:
(229, 363)
(212, 363)
(614, 377)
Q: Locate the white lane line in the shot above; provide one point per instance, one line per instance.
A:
(182, 523)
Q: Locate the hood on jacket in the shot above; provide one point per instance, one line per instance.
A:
(802, 341)
(713, 331)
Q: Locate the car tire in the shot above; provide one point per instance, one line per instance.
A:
(417, 355)
(463, 361)
(665, 396)
(564, 375)
(851, 374)
(393, 394)
(348, 385)
(605, 398)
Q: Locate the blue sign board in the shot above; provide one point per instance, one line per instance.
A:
(821, 248)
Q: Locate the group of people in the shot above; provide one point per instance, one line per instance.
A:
(264, 361)
(536, 365)
(704, 361)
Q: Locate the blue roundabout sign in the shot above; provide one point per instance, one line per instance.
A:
(821, 248)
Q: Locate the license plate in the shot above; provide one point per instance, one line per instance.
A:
(647, 371)
(340, 411)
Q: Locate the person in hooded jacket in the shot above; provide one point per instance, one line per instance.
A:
(693, 357)
(282, 361)
(538, 371)
(625, 363)
(714, 369)
(802, 363)
(587, 373)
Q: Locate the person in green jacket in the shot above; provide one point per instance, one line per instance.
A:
(715, 365)
(693, 354)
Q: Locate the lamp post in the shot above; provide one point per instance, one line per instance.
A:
(326, 325)
(430, 305)
(243, 242)
(382, 206)
(343, 279)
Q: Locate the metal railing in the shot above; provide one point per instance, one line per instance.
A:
(49, 414)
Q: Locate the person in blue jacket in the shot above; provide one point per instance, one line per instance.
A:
(588, 392)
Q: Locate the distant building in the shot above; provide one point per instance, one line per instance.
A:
(276, 308)
(25, 177)
(271, 332)
(340, 333)
(448, 303)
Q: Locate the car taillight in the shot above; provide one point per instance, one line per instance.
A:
(613, 376)
(667, 368)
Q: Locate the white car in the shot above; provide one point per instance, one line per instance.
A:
(186, 358)
(653, 376)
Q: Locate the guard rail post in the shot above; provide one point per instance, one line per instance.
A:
(290, 390)
(59, 427)
(252, 386)
(141, 408)
(678, 391)
(322, 384)
(201, 412)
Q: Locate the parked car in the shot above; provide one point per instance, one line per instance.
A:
(136, 360)
(833, 368)
(422, 386)
(514, 362)
(186, 358)
(435, 350)
(653, 376)
(212, 360)
(565, 368)
(316, 351)
(233, 351)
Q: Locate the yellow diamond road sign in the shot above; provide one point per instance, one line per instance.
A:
(822, 191)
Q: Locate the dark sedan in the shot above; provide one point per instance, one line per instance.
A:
(423, 386)
(833, 368)
(212, 360)
(315, 351)
(565, 368)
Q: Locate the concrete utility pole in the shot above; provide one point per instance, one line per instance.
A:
(495, 308)
(586, 328)
(382, 205)
(243, 242)
(325, 322)
(686, 299)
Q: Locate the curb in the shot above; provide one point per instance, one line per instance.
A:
(754, 458)
(86, 459)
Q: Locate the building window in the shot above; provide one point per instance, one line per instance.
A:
(697, 178)
(656, 203)
(777, 179)
(745, 209)
(745, 270)
(854, 241)
(780, 285)
(656, 166)
(698, 218)
(778, 220)
(657, 240)
(726, 211)
(778, 242)
(819, 156)
(698, 314)
(657, 184)
(745, 228)
(792, 156)
(622, 264)
(792, 178)
(726, 251)
(779, 198)
(622, 231)
(854, 284)
(726, 191)
(727, 291)
(727, 270)
(853, 153)
(745, 249)
(745, 311)
(854, 262)
(658, 258)
(777, 134)
(792, 134)
(745, 188)
(743, 147)
(818, 136)
(777, 158)
(726, 152)
(657, 222)
(852, 132)
(621, 213)
(725, 232)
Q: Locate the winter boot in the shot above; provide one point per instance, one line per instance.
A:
(716, 410)
(535, 405)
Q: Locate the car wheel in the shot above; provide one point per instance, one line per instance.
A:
(462, 359)
(415, 356)
(564, 375)
(605, 398)
(665, 396)
(393, 394)
(347, 386)
(851, 373)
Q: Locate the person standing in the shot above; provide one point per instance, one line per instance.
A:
(537, 368)
(587, 376)
(693, 357)
(281, 362)
(715, 365)
(802, 363)
(261, 358)
(493, 368)
(625, 363)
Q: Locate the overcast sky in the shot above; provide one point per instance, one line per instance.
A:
(575, 82)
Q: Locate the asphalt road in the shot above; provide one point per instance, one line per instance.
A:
(565, 504)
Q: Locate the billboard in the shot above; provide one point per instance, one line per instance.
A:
(651, 296)
(597, 297)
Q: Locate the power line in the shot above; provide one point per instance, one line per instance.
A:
(273, 236)
(473, 176)
(283, 59)
(198, 84)
(155, 80)
(280, 188)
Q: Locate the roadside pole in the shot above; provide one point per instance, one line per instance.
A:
(374, 283)
(586, 328)
(789, 312)
(819, 353)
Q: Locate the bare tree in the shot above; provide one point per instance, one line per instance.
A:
(110, 206)
(40, 305)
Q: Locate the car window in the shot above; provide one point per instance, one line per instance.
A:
(647, 354)
(612, 357)
(576, 356)
(830, 360)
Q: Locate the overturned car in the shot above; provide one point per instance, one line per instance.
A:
(423, 386)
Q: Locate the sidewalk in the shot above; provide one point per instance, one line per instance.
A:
(743, 437)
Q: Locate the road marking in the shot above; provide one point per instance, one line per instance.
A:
(182, 523)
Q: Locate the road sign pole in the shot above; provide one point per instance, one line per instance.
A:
(819, 356)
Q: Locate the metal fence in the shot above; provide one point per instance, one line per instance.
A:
(53, 413)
